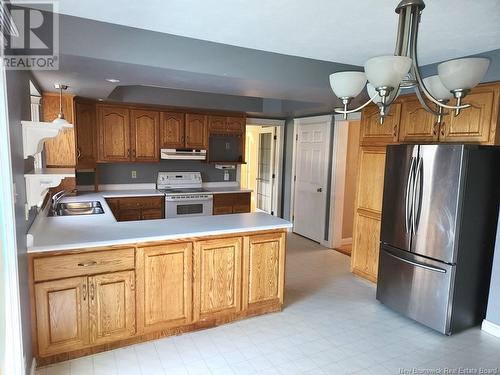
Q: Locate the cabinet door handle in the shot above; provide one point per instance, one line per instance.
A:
(395, 130)
(84, 291)
(434, 128)
(91, 291)
(78, 153)
(87, 263)
(442, 129)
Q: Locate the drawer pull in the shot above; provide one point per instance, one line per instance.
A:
(87, 263)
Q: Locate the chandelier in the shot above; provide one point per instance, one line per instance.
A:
(387, 75)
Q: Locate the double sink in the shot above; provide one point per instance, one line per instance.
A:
(77, 208)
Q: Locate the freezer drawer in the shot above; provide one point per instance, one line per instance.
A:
(416, 287)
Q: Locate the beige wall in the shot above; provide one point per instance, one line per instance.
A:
(350, 181)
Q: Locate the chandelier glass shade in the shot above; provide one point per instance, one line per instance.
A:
(60, 120)
(386, 75)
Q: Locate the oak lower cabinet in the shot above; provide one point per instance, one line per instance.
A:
(164, 293)
(217, 277)
(137, 208)
(368, 212)
(112, 306)
(62, 315)
(263, 269)
(87, 301)
(231, 203)
(77, 312)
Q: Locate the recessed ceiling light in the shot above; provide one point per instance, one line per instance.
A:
(112, 80)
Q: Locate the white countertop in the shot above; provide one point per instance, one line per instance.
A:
(71, 232)
(227, 189)
(129, 193)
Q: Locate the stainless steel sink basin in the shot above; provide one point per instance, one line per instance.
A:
(77, 208)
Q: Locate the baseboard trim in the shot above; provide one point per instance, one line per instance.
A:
(491, 328)
(33, 366)
(346, 241)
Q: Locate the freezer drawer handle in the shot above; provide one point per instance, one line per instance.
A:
(409, 193)
(430, 268)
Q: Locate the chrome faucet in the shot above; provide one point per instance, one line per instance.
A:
(57, 197)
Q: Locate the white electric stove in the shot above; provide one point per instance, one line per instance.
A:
(184, 195)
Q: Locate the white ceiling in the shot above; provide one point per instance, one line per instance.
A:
(345, 31)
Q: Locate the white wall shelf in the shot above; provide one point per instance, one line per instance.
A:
(40, 181)
(35, 133)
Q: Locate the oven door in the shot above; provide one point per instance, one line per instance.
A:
(188, 207)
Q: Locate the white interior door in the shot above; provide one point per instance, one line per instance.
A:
(265, 170)
(311, 176)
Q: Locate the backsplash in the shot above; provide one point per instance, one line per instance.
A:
(147, 172)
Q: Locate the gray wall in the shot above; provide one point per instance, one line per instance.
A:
(493, 312)
(146, 172)
(287, 170)
(19, 109)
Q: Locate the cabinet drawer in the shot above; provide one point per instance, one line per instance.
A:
(89, 263)
(148, 202)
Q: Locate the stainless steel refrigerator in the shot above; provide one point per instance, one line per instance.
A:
(439, 215)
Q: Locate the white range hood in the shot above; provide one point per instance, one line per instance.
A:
(183, 154)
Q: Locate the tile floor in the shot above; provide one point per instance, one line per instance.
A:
(331, 324)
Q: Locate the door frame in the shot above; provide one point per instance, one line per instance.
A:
(14, 362)
(278, 159)
(304, 121)
(338, 180)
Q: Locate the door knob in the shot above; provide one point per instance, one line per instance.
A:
(319, 190)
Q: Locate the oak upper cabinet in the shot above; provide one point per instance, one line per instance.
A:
(61, 150)
(164, 291)
(264, 269)
(86, 134)
(226, 124)
(144, 130)
(113, 133)
(217, 124)
(417, 125)
(172, 130)
(112, 306)
(374, 133)
(217, 277)
(236, 125)
(62, 315)
(368, 212)
(475, 124)
(196, 131)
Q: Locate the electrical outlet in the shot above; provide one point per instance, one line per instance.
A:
(228, 145)
(134, 174)
(226, 175)
(26, 212)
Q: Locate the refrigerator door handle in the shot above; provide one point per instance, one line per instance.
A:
(415, 204)
(416, 264)
(409, 192)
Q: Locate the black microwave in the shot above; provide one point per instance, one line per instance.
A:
(226, 148)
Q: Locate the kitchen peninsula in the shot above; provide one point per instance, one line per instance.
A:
(99, 284)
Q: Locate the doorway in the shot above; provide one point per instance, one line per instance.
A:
(311, 177)
(262, 169)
